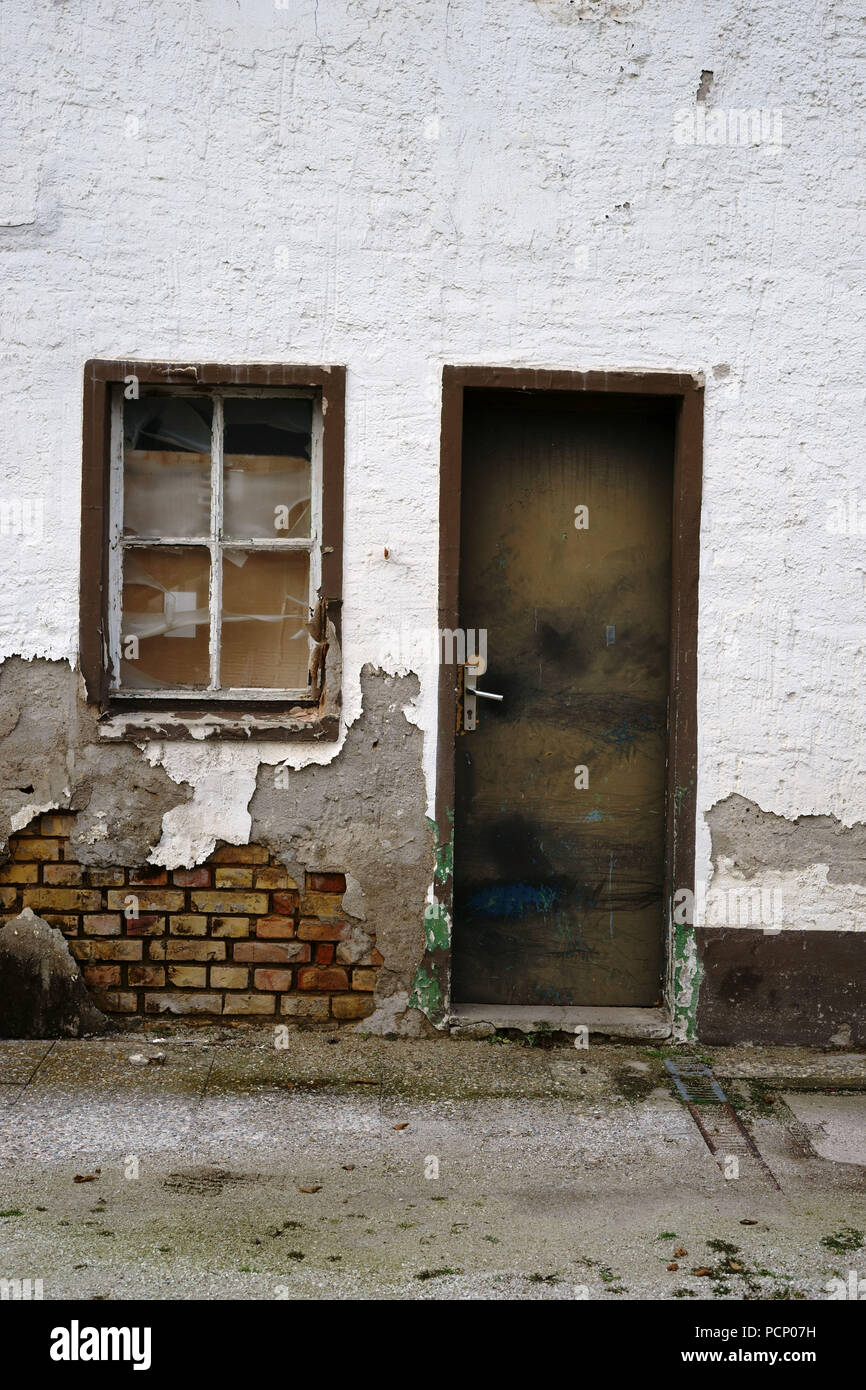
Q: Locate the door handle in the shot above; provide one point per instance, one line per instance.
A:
(474, 668)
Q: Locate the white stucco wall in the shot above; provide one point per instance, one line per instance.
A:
(394, 186)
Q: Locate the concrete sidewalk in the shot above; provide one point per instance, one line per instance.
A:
(561, 1173)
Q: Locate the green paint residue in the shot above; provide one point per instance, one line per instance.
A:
(437, 928)
(444, 854)
(426, 994)
(687, 978)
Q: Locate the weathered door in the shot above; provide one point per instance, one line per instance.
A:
(565, 564)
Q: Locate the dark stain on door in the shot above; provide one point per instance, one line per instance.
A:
(565, 564)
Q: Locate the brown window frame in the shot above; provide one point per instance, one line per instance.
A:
(161, 716)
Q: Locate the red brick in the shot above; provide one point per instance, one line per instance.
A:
(324, 953)
(239, 854)
(311, 977)
(147, 924)
(271, 952)
(285, 903)
(270, 927)
(352, 1005)
(102, 976)
(364, 980)
(9, 897)
(310, 929)
(326, 883)
(277, 980)
(192, 878)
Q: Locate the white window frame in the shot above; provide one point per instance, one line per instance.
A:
(215, 543)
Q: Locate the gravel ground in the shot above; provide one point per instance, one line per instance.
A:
(561, 1174)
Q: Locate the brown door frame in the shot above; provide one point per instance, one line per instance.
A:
(686, 393)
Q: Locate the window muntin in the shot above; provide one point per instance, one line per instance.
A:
(214, 555)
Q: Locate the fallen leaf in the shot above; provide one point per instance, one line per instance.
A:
(733, 1264)
(680, 1252)
(349, 1167)
(404, 1125)
(317, 1188)
(82, 1177)
(769, 1100)
(747, 1221)
(673, 1266)
(702, 1271)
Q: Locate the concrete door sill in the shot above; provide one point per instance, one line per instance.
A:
(615, 1023)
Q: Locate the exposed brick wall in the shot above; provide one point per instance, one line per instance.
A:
(235, 936)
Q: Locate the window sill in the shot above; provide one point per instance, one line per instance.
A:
(209, 725)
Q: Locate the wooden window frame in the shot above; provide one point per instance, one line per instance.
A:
(686, 393)
(175, 714)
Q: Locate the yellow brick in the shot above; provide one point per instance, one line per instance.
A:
(19, 873)
(106, 878)
(187, 925)
(58, 823)
(116, 1001)
(239, 854)
(230, 926)
(234, 876)
(177, 1001)
(249, 1004)
(56, 875)
(41, 850)
(273, 877)
(187, 950)
(117, 949)
(321, 904)
(63, 899)
(188, 976)
(254, 904)
(149, 899)
(229, 977)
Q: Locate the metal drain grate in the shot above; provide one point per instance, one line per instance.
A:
(726, 1137)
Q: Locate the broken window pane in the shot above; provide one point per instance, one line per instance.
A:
(265, 607)
(166, 466)
(165, 627)
(267, 444)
